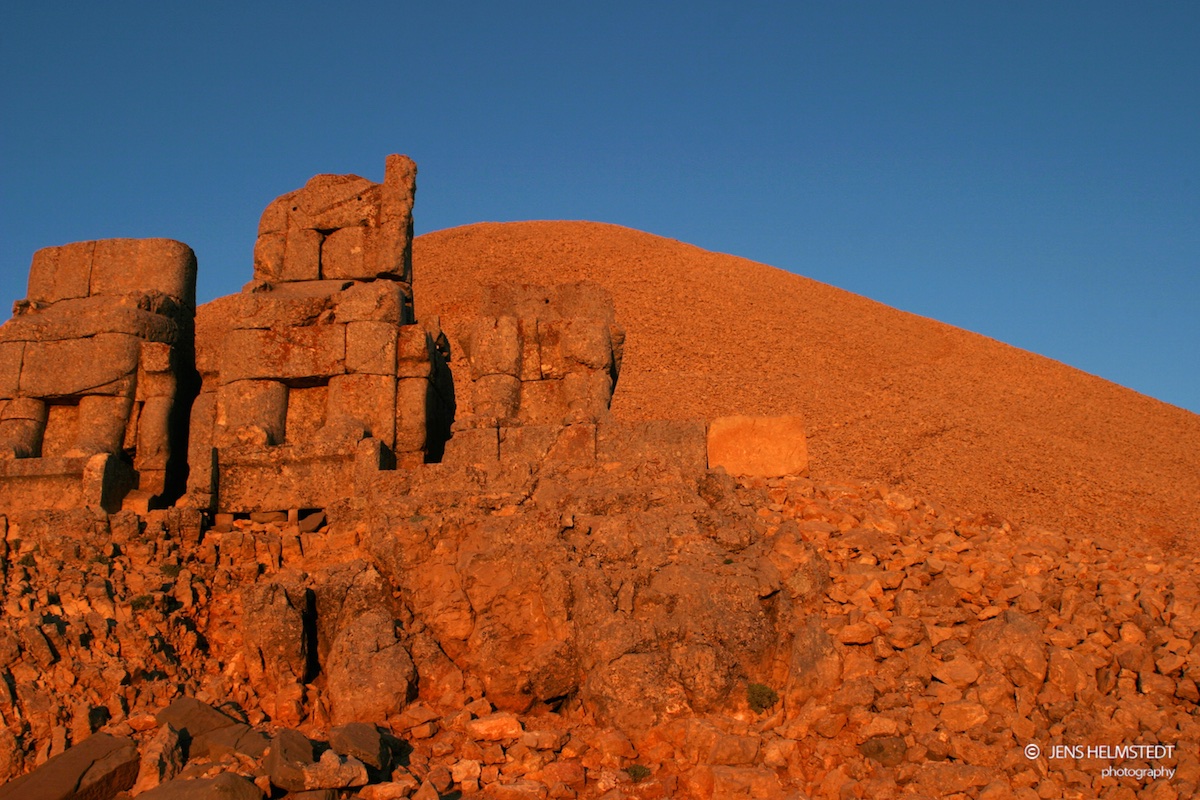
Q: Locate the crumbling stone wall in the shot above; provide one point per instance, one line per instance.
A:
(95, 366)
(319, 354)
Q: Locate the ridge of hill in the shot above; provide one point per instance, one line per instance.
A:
(888, 396)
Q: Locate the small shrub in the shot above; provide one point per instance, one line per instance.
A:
(729, 561)
(100, 558)
(28, 560)
(170, 570)
(638, 772)
(761, 697)
(141, 602)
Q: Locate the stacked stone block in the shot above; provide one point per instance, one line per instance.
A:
(94, 372)
(542, 356)
(319, 353)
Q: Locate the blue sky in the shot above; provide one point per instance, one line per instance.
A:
(1030, 171)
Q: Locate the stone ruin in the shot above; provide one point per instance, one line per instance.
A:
(115, 391)
(95, 376)
(303, 388)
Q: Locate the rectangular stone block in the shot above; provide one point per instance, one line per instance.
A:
(156, 373)
(369, 399)
(136, 266)
(301, 255)
(306, 411)
(201, 455)
(80, 318)
(373, 301)
(62, 429)
(588, 394)
(542, 403)
(11, 355)
(246, 406)
(767, 447)
(569, 345)
(22, 427)
(343, 254)
(101, 427)
(314, 351)
(681, 443)
(414, 352)
(494, 347)
(41, 484)
(574, 444)
(290, 476)
(154, 434)
(531, 355)
(414, 398)
(390, 248)
(472, 446)
(269, 251)
(371, 348)
(60, 273)
(80, 366)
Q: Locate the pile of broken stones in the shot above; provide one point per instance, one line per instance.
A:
(944, 645)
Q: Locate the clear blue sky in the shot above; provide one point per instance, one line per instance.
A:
(1030, 171)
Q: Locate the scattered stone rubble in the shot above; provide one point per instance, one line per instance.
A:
(403, 562)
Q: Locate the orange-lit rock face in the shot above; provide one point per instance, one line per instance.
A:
(767, 447)
(568, 600)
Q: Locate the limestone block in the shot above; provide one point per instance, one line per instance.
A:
(414, 352)
(567, 345)
(59, 273)
(201, 456)
(542, 403)
(106, 481)
(156, 373)
(274, 218)
(269, 251)
(62, 429)
(11, 355)
(301, 475)
(80, 318)
(306, 410)
(494, 347)
(101, 427)
(679, 443)
(574, 444)
(313, 351)
(767, 447)
(137, 266)
(154, 434)
(472, 446)
(368, 399)
(588, 395)
(336, 201)
(391, 246)
(531, 355)
(414, 396)
(376, 301)
(496, 396)
(22, 425)
(282, 307)
(80, 366)
(371, 348)
(301, 256)
(243, 406)
(343, 254)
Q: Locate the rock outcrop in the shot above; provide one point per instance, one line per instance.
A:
(402, 562)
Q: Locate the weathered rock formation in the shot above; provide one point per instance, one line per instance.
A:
(380, 526)
(95, 371)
